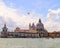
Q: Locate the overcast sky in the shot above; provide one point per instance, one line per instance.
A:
(15, 13)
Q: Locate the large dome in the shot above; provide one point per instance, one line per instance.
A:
(40, 24)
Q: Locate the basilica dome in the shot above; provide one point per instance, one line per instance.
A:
(40, 24)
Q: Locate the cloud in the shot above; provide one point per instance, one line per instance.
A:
(12, 18)
(51, 24)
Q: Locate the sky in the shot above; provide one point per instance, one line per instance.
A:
(19, 13)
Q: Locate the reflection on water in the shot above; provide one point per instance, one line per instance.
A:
(29, 43)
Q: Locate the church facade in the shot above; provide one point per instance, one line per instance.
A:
(34, 31)
(39, 28)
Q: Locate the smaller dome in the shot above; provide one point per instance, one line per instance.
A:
(17, 28)
(33, 25)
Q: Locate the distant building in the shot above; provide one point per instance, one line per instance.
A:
(34, 31)
(55, 34)
(38, 28)
(4, 31)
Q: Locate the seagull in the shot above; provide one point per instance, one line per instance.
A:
(28, 13)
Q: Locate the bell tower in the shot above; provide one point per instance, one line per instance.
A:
(4, 31)
(33, 26)
(29, 26)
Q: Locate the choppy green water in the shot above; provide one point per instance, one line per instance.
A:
(29, 43)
